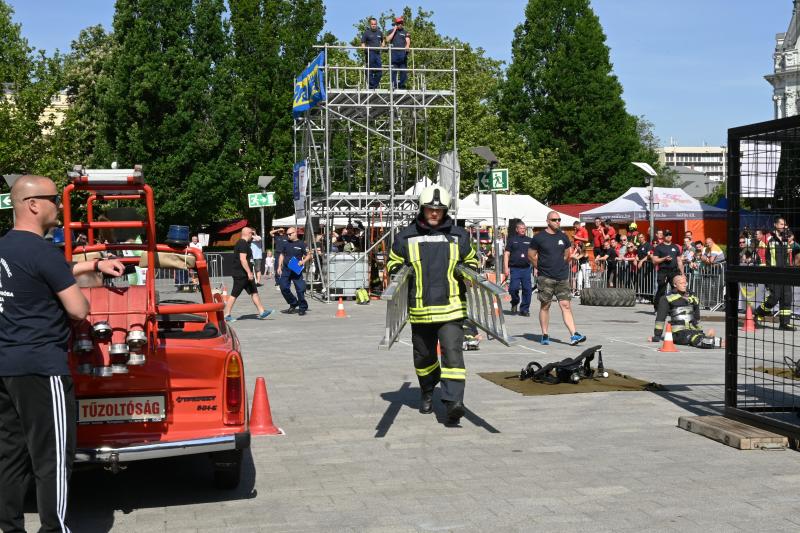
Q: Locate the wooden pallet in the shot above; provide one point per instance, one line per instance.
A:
(733, 433)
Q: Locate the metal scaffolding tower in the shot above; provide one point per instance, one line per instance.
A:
(365, 148)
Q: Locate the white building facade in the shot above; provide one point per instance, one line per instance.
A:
(710, 160)
(785, 80)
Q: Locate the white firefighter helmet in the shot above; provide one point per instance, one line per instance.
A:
(435, 197)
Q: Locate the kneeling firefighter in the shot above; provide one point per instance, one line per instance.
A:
(433, 245)
(682, 308)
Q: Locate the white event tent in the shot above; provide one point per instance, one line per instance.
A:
(534, 213)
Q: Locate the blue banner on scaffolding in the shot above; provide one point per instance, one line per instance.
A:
(309, 87)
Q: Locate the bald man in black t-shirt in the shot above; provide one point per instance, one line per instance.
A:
(38, 298)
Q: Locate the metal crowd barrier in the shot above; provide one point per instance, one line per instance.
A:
(484, 304)
(214, 261)
(396, 296)
(708, 283)
(175, 280)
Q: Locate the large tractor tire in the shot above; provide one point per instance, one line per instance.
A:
(608, 297)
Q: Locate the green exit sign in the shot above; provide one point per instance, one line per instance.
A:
(496, 180)
(5, 201)
(261, 199)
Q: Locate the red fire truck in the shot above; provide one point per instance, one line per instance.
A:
(153, 378)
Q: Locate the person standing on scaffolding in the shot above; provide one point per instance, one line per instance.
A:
(372, 40)
(778, 254)
(400, 40)
(433, 245)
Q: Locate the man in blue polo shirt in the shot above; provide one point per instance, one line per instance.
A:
(372, 41)
(517, 267)
(293, 248)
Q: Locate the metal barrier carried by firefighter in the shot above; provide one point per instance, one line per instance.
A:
(424, 260)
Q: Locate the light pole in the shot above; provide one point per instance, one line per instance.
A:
(651, 178)
(487, 155)
(263, 181)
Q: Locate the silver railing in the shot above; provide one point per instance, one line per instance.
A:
(396, 296)
(707, 282)
(484, 304)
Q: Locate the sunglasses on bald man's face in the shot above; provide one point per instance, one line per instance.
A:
(555, 220)
(55, 198)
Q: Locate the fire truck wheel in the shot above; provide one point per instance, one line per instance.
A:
(227, 469)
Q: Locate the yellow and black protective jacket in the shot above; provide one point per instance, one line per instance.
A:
(435, 292)
(682, 310)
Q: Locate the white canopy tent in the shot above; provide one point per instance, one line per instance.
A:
(534, 213)
(669, 204)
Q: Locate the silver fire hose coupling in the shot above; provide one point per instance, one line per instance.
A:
(118, 350)
(136, 338)
(83, 343)
(136, 359)
(102, 330)
(102, 371)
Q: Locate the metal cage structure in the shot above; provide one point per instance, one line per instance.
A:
(762, 375)
(366, 147)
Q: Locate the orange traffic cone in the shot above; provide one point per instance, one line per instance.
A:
(668, 345)
(261, 416)
(749, 325)
(340, 309)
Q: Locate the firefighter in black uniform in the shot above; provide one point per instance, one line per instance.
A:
(433, 245)
(667, 257)
(682, 308)
(778, 254)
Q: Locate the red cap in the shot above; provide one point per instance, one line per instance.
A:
(399, 20)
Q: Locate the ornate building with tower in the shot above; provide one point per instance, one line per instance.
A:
(785, 80)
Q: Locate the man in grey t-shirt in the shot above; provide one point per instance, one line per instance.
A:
(549, 253)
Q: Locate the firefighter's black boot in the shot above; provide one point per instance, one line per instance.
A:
(455, 410)
(426, 403)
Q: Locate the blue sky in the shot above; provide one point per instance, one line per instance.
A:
(693, 68)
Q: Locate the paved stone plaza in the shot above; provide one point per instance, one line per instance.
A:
(357, 456)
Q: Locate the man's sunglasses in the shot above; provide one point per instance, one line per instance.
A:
(55, 198)
(555, 220)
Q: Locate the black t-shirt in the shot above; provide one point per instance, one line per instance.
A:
(643, 249)
(611, 253)
(372, 38)
(517, 248)
(551, 249)
(34, 327)
(242, 247)
(668, 250)
(291, 249)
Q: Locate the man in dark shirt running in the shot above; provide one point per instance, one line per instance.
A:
(38, 298)
(667, 258)
(549, 253)
(243, 277)
(517, 267)
(400, 40)
(372, 40)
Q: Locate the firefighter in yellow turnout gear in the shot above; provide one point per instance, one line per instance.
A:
(433, 245)
(778, 254)
(682, 309)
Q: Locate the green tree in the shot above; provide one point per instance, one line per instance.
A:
(167, 105)
(29, 81)
(561, 95)
(272, 43)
